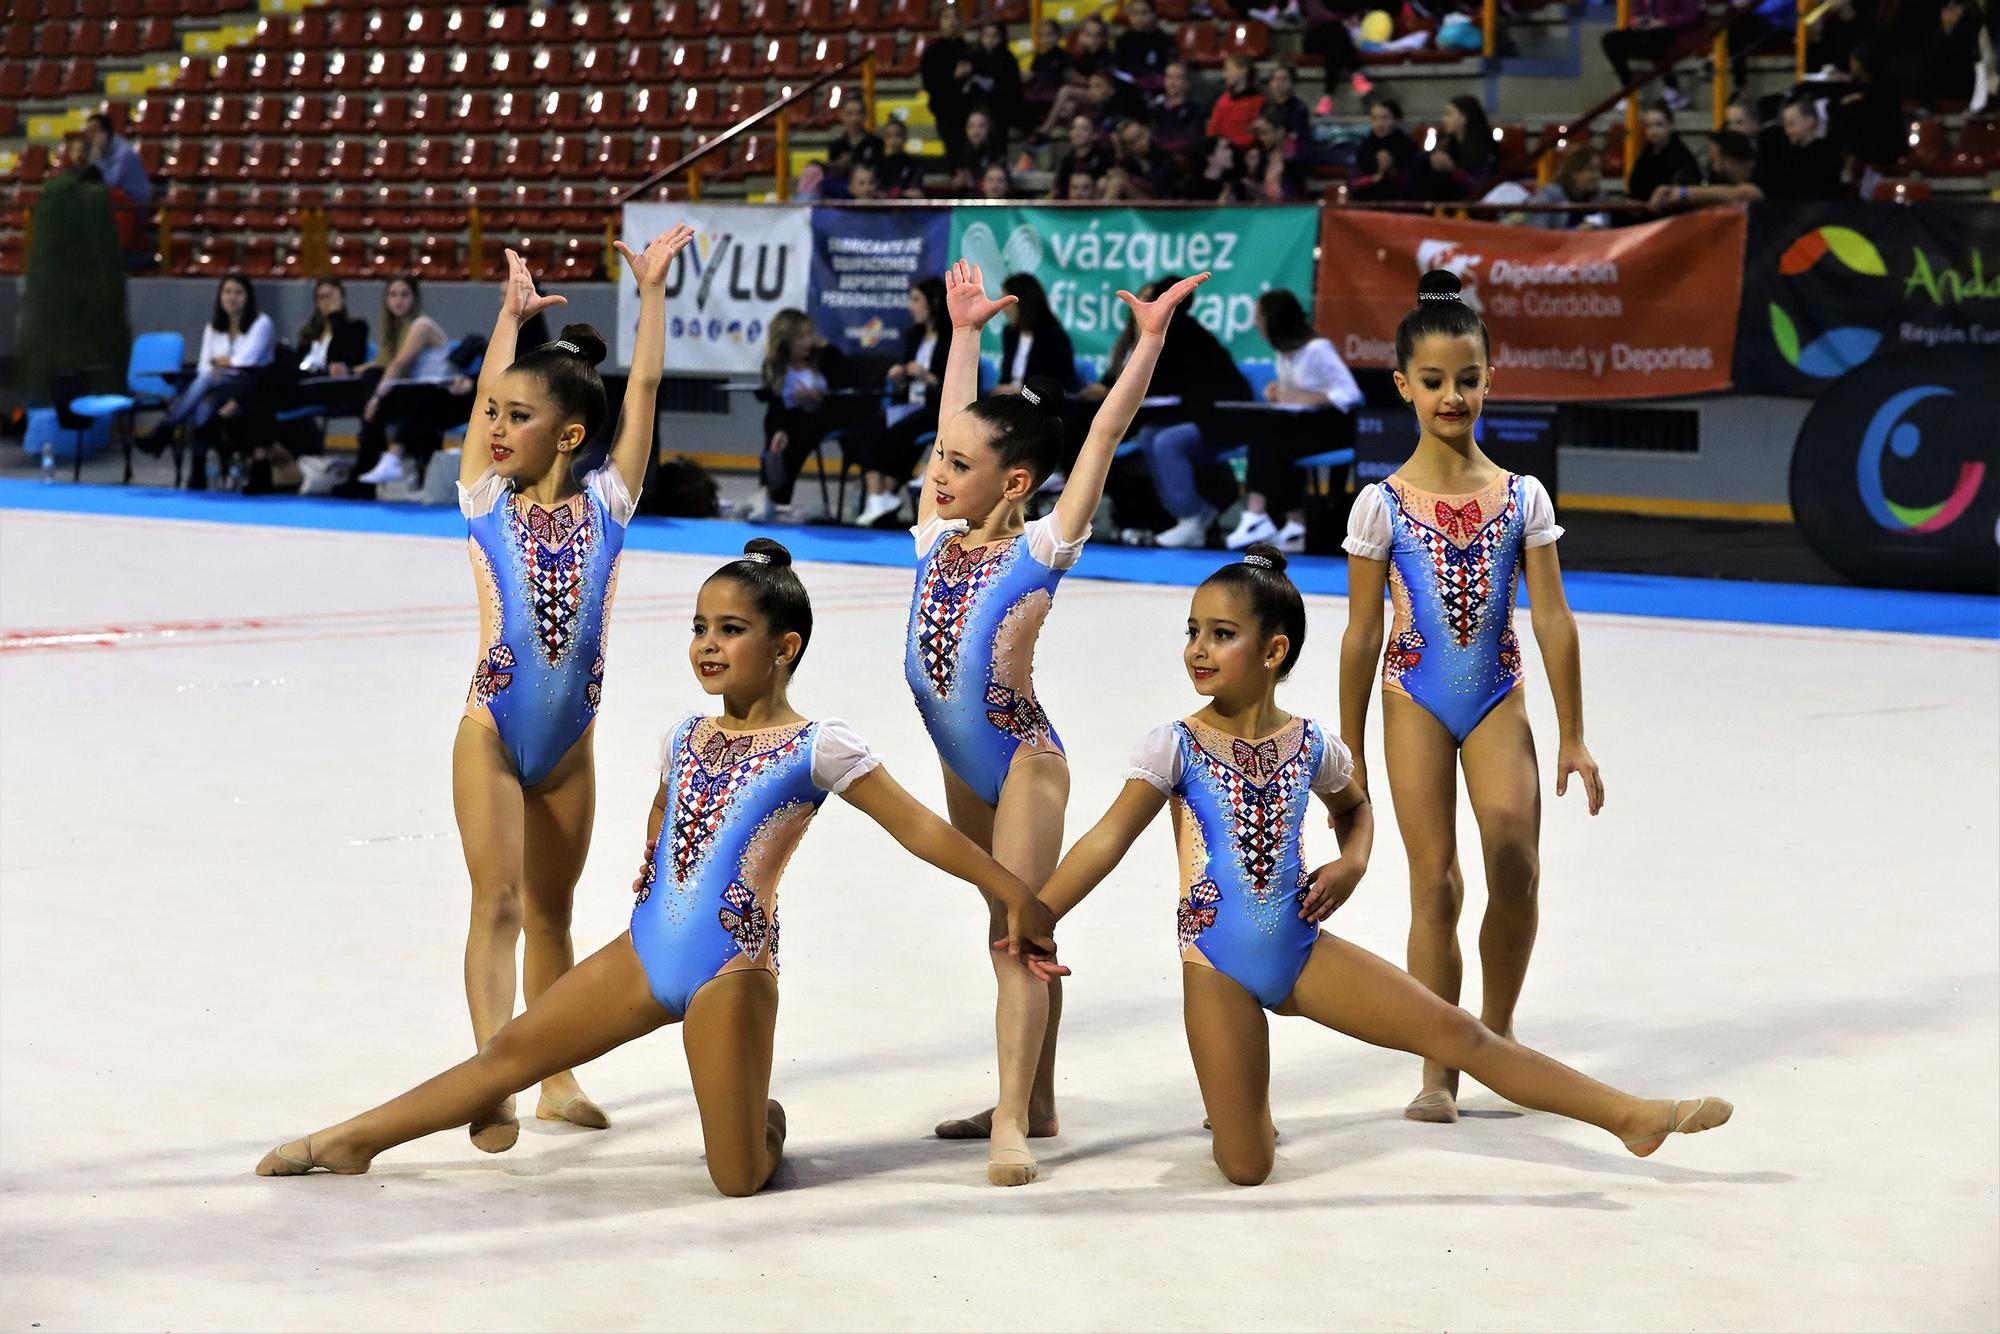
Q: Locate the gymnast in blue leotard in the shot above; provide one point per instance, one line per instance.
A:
(736, 793)
(1239, 775)
(544, 554)
(1452, 535)
(985, 581)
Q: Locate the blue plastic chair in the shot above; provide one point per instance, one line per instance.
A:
(156, 358)
(79, 412)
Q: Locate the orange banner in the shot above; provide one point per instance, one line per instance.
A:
(1633, 312)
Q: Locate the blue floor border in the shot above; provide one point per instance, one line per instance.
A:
(1962, 615)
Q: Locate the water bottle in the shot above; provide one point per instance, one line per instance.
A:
(48, 461)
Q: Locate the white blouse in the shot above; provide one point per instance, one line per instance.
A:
(1045, 541)
(839, 755)
(607, 484)
(1368, 532)
(1157, 760)
(252, 347)
(1317, 369)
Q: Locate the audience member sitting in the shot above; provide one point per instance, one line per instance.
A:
(996, 78)
(900, 173)
(236, 342)
(983, 147)
(1327, 36)
(332, 349)
(854, 144)
(1107, 100)
(996, 183)
(1866, 119)
(419, 395)
(1195, 366)
(1843, 28)
(1580, 180)
(1385, 162)
(887, 449)
(1732, 162)
(1261, 173)
(1803, 165)
(1282, 105)
(1465, 164)
(1180, 124)
(1081, 185)
(800, 369)
(1143, 170)
(1144, 51)
(1943, 65)
(946, 65)
(1739, 117)
(1658, 27)
(1092, 53)
(1311, 374)
(1664, 161)
(863, 185)
(1034, 341)
(1049, 73)
(1238, 103)
(1086, 155)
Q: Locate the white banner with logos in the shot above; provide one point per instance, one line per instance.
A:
(747, 263)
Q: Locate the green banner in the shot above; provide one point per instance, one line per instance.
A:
(1083, 256)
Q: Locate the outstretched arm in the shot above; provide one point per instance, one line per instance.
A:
(636, 417)
(1030, 925)
(966, 301)
(1098, 852)
(1360, 655)
(518, 301)
(1085, 487)
(1555, 632)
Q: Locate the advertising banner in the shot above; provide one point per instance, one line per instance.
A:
(864, 262)
(1826, 287)
(1083, 256)
(1634, 312)
(748, 262)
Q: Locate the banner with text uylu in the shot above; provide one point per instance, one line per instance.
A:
(747, 263)
(1633, 312)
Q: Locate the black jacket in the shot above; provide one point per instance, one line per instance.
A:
(349, 346)
(913, 338)
(1051, 354)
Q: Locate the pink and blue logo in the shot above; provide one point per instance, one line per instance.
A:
(1888, 431)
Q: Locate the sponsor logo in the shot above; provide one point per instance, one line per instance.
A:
(1836, 351)
(1887, 430)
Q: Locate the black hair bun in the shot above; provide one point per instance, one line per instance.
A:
(775, 553)
(590, 347)
(1439, 285)
(1043, 393)
(1268, 557)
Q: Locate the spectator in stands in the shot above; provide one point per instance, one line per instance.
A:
(1310, 374)
(900, 173)
(1085, 156)
(1034, 341)
(236, 343)
(1180, 123)
(1238, 104)
(1262, 173)
(1804, 165)
(1738, 117)
(1385, 162)
(1465, 164)
(1944, 64)
(801, 370)
(1580, 180)
(1144, 50)
(1197, 368)
(996, 183)
(863, 184)
(1282, 104)
(947, 64)
(1732, 162)
(1761, 27)
(332, 342)
(1093, 47)
(982, 147)
(412, 404)
(996, 78)
(1143, 170)
(1327, 36)
(854, 144)
(1092, 54)
(1866, 120)
(887, 450)
(1049, 73)
(1107, 100)
(1664, 160)
(117, 161)
(1839, 32)
(1658, 28)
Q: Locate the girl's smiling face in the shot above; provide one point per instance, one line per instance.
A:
(1228, 655)
(732, 648)
(966, 478)
(524, 429)
(1446, 381)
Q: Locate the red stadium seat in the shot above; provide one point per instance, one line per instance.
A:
(434, 113)
(213, 256)
(774, 18)
(656, 151)
(231, 72)
(225, 158)
(20, 41)
(1978, 147)
(391, 162)
(814, 55)
(569, 157)
(390, 115)
(726, 18)
(259, 257)
(267, 160)
(225, 115)
(263, 209)
(682, 18)
(507, 27)
(13, 79)
(214, 207)
(740, 58)
(822, 18)
(578, 260)
(439, 258)
(309, 30)
(349, 114)
(1201, 45)
(550, 67)
(479, 160)
(688, 60)
(594, 23)
(1250, 37)
(347, 256)
(911, 16)
(188, 116)
(308, 159)
(435, 160)
(1914, 190)
(347, 160)
(475, 113)
(307, 69)
(611, 109)
(416, 27)
(86, 39)
(389, 209)
(149, 117)
(346, 30)
(522, 159)
(519, 112)
(577, 207)
(614, 159)
(306, 114)
(345, 70)
(434, 69)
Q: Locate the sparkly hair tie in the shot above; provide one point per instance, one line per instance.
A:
(564, 345)
(1261, 562)
(1437, 296)
(1031, 396)
(756, 557)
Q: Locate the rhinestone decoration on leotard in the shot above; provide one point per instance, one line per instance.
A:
(555, 547)
(951, 585)
(702, 793)
(1462, 551)
(493, 675)
(1197, 912)
(1017, 714)
(1260, 813)
(593, 690)
(1405, 652)
(743, 917)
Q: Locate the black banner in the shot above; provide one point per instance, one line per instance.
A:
(1895, 478)
(1520, 438)
(1827, 287)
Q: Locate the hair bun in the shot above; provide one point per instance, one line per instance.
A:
(1268, 557)
(775, 553)
(589, 343)
(1439, 285)
(1044, 393)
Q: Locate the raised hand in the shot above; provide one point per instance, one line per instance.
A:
(650, 268)
(519, 298)
(1572, 757)
(1151, 316)
(965, 297)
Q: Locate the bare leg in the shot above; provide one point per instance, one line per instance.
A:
(1231, 1045)
(558, 813)
(1351, 991)
(1424, 783)
(1501, 779)
(486, 797)
(728, 1035)
(602, 1003)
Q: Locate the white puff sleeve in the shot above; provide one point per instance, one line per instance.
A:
(1336, 764)
(839, 756)
(1538, 514)
(480, 498)
(1368, 525)
(932, 533)
(1157, 759)
(608, 485)
(1046, 545)
(680, 721)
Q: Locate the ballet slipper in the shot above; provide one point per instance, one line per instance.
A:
(278, 1163)
(981, 1127)
(496, 1136)
(1434, 1105)
(1012, 1167)
(577, 1109)
(1708, 1113)
(1208, 1125)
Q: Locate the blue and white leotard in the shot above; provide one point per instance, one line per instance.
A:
(970, 654)
(1239, 811)
(1454, 563)
(546, 579)
(737, 803)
